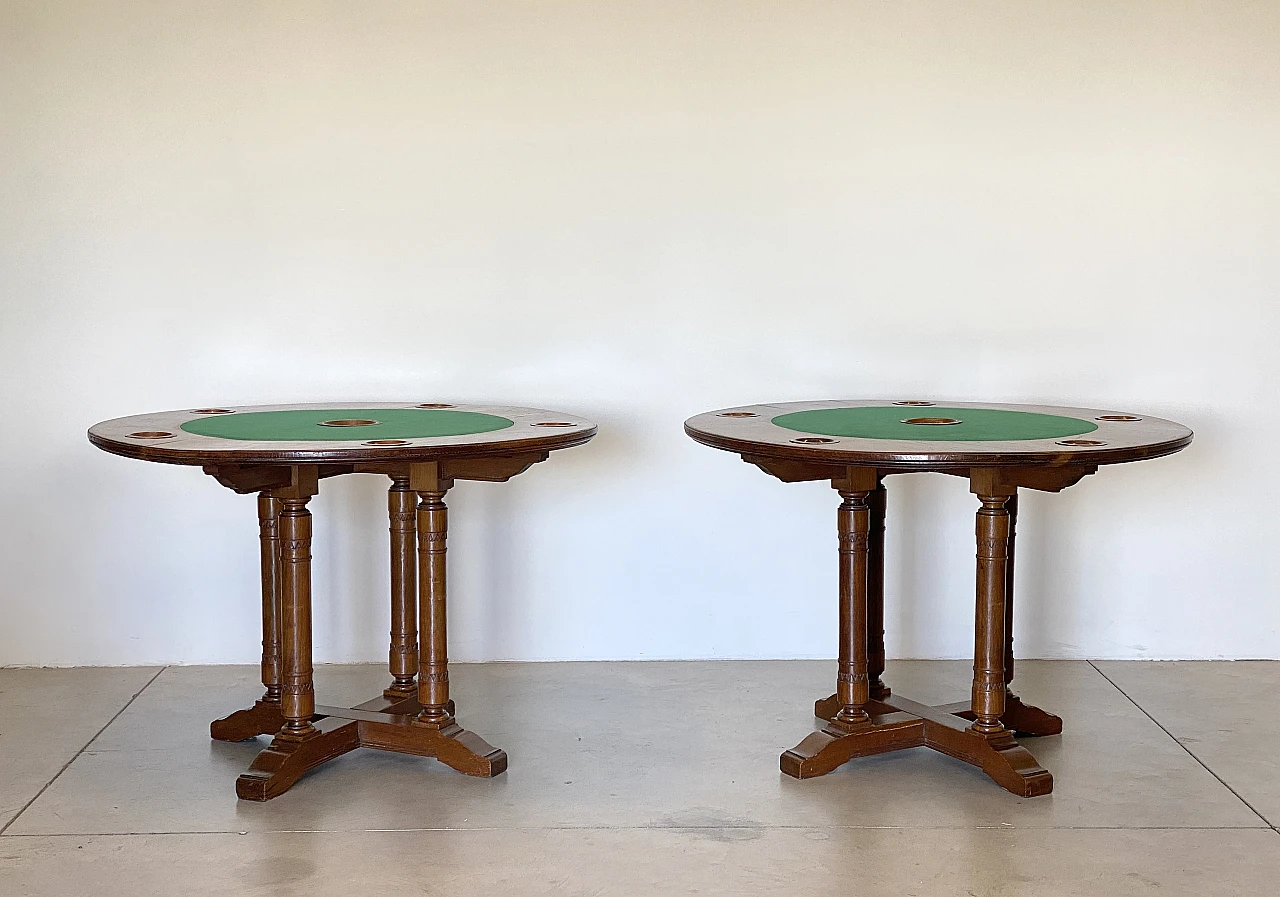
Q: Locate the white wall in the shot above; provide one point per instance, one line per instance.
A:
(637, 211)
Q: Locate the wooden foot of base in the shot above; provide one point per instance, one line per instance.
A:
(1008, 763)
(1026, 720)
(384, 723)
(288, 757)
(834, 745)
(449, 743)
(896, 723)
(263, 718)
(827, 708)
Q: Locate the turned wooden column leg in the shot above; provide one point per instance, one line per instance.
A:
(849, 730)
(301, 744)
(433, 671)
(433, 732)
(1019, 718)
(989, 686)
(404, 589)
(875, 594)
(852, 685)
(1024, 719)
(1012, 507)
(298, 700)
(263, 718)
(269, 540)
(860, 521)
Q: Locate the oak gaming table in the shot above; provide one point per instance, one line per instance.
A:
(281, 452)
(999, 449)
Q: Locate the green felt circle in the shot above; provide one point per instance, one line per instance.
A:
(304, 425)
(976, 424)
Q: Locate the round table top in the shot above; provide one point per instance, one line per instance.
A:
(924, 434)
(338, 433)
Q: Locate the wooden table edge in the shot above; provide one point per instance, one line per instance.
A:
(356, 454)
(925, 461)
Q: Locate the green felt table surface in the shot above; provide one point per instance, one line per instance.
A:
(976, 424)
(308, 425)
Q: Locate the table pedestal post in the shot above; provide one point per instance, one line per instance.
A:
(298, 699)
(307, 739)
(433, 675)
(827, 708)
(1012, 507)
(852, 683)
(264, 717)
(437, 731)
(824, 750)
(992, 532)
(1022, 719)
(875, 593)
(401, 697)
(404, 587)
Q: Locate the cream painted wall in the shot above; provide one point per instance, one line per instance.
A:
(637, 211)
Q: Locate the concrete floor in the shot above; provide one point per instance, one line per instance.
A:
(640, 779)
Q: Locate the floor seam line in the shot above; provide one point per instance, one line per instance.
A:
(45, 787)
(665, 828)
(1190, 753)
